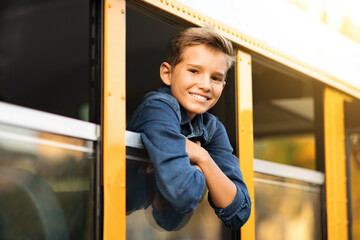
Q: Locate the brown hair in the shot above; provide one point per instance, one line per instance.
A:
(196, 36)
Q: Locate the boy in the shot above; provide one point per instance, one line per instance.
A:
(188, 146)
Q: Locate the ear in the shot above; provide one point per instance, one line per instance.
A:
(224, 83)
(165, 73)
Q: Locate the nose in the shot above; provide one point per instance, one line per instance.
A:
(204, 83)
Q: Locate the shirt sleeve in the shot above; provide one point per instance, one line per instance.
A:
(238, 212)
(177, 180)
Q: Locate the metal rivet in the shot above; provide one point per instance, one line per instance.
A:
(199, 17)
(240, 59)
(122, 185)
(122, 97)
(167, 2)
(109, 5)
(178, 8)
(189, 13)
(183, 10)
(122, 11)
(109, 93)
(194, 15)
(172, 5)
(109, 183)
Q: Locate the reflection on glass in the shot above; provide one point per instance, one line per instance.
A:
(295, 150)
(45, 186)
(286, 209)
(355, 179)
(45, 49)
(284, 115)
(150, 216)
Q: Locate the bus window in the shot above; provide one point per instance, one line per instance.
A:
(283, 116)
(45, 56)
(352, 126)
(146, 43)
(292, 213)
(288, 189)
(46, 187)
(149, 215)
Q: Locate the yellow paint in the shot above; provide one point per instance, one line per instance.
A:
(253, 44)
(245, 134)
(114, 121)
(335, 165)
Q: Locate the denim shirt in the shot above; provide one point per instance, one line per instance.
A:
(163, 124)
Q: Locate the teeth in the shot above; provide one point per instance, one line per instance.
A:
(198, 96)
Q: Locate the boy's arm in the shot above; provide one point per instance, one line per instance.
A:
(178, 181)
(220, 150)
(221, 189)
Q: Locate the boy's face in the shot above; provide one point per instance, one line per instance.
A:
(198, 80)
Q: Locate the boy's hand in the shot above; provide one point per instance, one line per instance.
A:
(195, 151)
(221, 189)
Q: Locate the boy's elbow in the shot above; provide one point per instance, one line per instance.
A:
(247, 211)
(241, 217)
(185, 204)
(184, 197)
(242, 214)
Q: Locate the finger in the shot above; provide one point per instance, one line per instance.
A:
(198, 143)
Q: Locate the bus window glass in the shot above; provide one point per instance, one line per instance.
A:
(45, 186)
(45, 55)
(355, 179)
(150, 216)
(146, 43)
(286, 209)
(296, 150)
(283, 116)
(352, 126)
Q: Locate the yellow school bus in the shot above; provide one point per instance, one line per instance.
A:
(73, 72)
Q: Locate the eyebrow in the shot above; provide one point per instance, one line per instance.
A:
(220, 73)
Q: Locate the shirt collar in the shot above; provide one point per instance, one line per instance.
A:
(165, 89)
(190, 129)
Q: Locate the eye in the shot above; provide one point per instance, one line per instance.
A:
(193, 71)
(218, 79)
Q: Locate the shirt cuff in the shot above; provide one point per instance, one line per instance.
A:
(235, 207)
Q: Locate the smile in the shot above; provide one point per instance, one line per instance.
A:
(198, 96)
